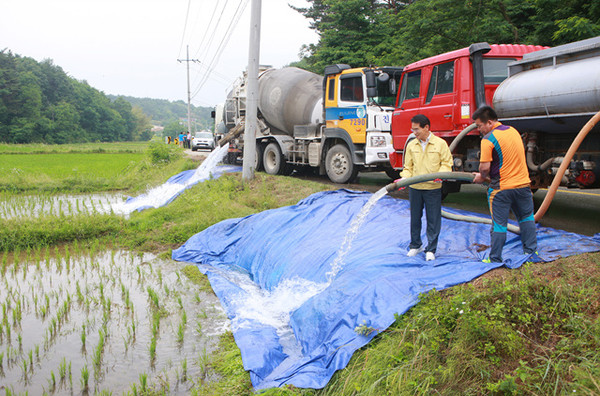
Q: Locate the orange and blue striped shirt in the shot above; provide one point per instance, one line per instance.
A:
(503, 147)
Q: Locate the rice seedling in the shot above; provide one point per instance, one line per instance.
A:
(184, 370)
(180, 333)
(153, 297)
(152, 349)
(52, 381)
(85, 376)
(83, 336)
(144, 383)
(62, 369)
(24, 367)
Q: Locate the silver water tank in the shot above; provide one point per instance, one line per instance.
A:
(559, 80)
(290, 96)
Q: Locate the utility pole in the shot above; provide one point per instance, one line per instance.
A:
(252, 93)
(188, 60)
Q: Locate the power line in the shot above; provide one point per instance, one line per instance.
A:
(237, 15)
(214, 30)
(184, 26)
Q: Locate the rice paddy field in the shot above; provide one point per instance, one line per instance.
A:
(77, 320)
(90, 300)
(81, 315)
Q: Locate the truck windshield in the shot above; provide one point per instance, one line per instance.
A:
(384, 95)
(495, 70)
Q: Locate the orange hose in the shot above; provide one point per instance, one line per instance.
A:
(564, 164)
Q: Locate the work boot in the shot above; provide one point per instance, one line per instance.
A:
(414, 252)
(429, 256)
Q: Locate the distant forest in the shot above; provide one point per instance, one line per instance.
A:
(170, 114)
(40, 103)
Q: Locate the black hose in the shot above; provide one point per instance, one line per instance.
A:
(463, 176)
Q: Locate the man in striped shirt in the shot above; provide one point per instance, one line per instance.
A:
(503, 162)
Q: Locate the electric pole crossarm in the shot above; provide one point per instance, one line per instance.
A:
(188, 60)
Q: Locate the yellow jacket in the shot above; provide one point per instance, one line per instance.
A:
(435, 158)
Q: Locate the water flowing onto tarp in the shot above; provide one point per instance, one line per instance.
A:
(358, 279)
(272, 308)
(352, 232)
(165, 193)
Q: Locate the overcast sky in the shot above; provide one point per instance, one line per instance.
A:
(131, 47)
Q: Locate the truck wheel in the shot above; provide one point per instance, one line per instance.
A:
(258, 159)
(392, 173)
(339, 165)
(273, 161)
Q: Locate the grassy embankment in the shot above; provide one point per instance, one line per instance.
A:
(534, 330)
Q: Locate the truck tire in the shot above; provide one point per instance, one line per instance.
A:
(392, 173)
(258, 159)
(339, 165)
(273, 160)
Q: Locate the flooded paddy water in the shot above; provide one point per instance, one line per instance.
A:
(91, 320)
(21, 206)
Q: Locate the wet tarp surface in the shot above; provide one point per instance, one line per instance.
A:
(375, 280)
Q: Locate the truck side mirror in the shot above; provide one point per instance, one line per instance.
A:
(371, 83)
(392, 86)
(213, 114)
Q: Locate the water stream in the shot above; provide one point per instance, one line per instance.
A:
(273, 308)
(163, 194)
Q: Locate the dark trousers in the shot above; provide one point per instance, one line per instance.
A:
(520, 201)
(432, 201)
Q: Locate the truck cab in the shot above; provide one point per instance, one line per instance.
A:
(358, 107)
(448, 88)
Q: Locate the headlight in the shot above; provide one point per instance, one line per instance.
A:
(377, 141)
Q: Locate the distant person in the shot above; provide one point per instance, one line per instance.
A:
(181, 140)
(503, 162)
(425, 154)
(189, 140)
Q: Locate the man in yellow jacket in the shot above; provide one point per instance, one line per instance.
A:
(425, 154)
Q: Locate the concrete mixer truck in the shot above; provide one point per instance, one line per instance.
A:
(548, 94)
(334, 125)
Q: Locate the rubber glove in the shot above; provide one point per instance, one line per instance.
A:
(401, 188)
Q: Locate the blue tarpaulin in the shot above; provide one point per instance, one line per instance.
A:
(295, 244)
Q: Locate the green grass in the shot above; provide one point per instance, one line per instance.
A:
(91, 170)
(117, 147)
(534, 330)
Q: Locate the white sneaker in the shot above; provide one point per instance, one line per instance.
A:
(414, 252)
(429, 256)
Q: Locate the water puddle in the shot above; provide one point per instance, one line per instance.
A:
(19, 206)
(86, 322)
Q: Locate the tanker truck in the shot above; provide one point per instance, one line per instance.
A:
(336, 125)
(547, 94)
